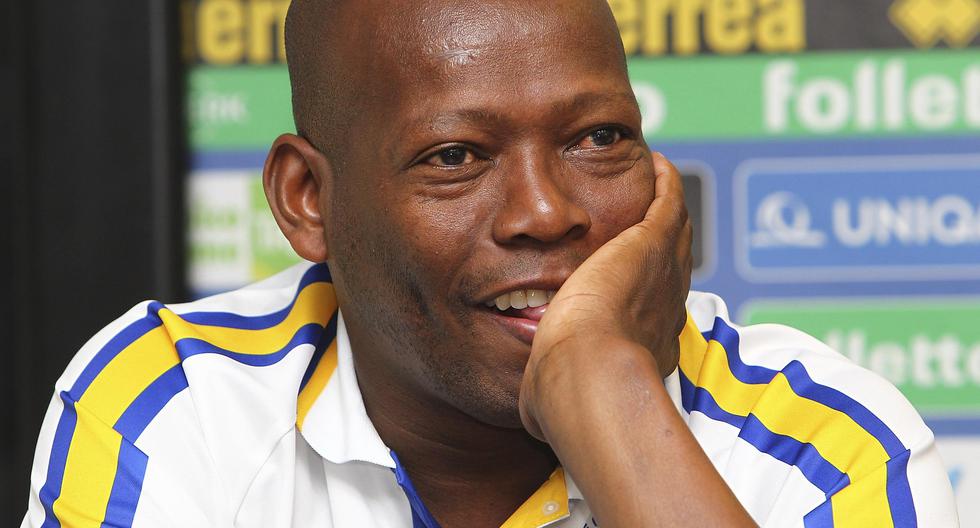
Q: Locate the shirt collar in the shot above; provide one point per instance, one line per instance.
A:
(336, 425)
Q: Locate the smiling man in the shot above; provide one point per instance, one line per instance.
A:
(497, 329)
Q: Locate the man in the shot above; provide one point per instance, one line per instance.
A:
(510, 264)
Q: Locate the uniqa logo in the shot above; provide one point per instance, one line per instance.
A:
(948, 220)
(782, 219)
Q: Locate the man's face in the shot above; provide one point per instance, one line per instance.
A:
(495, 147)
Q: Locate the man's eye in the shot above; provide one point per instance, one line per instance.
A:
(451, 157)
(602, 137)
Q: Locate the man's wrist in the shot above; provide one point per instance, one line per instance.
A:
(590, 366)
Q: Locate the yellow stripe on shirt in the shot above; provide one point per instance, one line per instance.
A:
(548, 504)
(93, 454)
(131, 371)
(315, 304)
(90, 472)
(318, 381)
(835, 435)
(863, 503)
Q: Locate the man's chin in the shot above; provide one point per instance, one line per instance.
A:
(509, 419)
(485, 379)
(493, 406)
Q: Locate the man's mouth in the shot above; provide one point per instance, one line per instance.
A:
(526, 304)
(519, 311)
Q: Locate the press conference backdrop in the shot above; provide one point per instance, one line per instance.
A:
(830, 152)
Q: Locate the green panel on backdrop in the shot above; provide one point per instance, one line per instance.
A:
(873, 93)
(881, 93)
(929, 349)
(271, 252)
(240, 107)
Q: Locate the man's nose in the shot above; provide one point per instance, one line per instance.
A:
(538, 207)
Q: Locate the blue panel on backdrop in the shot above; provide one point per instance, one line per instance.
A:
(868, 218)
(725, 158)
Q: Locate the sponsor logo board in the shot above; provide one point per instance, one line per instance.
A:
(877, 93)
(660, 27)
(929, 348)
(242, 107)
(869, 219)
(927, 23)
(232, 237)
(233, 32)
(229, 32)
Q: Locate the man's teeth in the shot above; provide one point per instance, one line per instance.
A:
(520, 299)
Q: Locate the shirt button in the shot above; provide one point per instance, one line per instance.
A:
(550, 507)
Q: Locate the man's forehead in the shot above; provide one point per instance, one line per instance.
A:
(386, 60)
(456, 31)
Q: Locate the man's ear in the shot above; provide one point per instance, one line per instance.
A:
(297, 179)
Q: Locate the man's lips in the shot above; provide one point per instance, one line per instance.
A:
(522, 293)
(521, 323)
(534, 314)
(518, 306)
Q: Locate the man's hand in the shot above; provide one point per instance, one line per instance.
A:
(593, 387)
(632, 289)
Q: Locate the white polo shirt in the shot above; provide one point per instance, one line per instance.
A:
(243, 410)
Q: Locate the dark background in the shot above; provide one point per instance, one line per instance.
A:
(91, 157)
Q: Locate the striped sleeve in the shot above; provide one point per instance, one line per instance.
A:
(792, 407)
(875, 499)
(88, 470)
(127, 441)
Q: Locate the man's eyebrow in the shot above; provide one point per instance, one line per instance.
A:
(585, 100)
(444, 123)
(480, 115)
(487, 115)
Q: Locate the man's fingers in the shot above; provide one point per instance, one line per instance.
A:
(686, 253)
(668, 180)
(668, 209)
